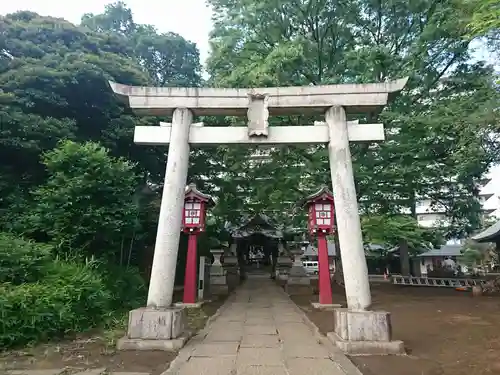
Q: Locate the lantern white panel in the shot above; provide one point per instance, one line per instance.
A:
(327, 221)
(197, 206)
(188, 206)
(196, 220)
(327, 207)
(320, 221)
(318, 206)
(189, 220)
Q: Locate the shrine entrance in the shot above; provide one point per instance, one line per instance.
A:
(255, 240)
(337, 104)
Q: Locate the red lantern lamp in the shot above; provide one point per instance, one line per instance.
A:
(195, 209)
(320, 224)
(193, 223)
(321, 212)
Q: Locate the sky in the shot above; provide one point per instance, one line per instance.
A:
(189, 18)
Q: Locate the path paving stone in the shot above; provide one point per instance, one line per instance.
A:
(262, 370)
(209, 366)
(259, 331)
(224, 336)
(304, 350)
(260, 341)
(259, 356)
(96, 371)
(312, 366)
(216, 349)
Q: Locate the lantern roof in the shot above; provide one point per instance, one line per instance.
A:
(193, 192)
(322, 194)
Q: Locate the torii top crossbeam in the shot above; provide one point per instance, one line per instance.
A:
(162, 101)
(257, 104)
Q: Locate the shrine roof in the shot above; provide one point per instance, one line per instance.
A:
(443, 251)
(357, 98)
(490, 234)
(256, 224)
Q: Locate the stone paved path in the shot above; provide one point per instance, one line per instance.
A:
(259, 331)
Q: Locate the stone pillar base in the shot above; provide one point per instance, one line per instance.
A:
(364, 332)
(327, 307)
(138, 344)
(298, 286)
(155, 329)
(219, 284)
(219, 290)
(195, 305)
(233, 278)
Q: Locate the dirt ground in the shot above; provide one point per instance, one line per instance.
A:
(97, 350)
(445, 332)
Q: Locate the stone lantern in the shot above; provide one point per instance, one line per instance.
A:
(193, 223)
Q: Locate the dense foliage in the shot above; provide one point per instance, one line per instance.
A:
(42, 297)
(441, 131)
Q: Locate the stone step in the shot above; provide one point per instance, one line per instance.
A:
(62, 371)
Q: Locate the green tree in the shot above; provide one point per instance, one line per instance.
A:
(474, 253)
(169, 59)
(86, 207)
(54, 87)
(485, 19)
(53, 79)
(441, 131)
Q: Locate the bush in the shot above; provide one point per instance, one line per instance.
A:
(126, 286)
(71, 298)
(22, 261)
(86, 206)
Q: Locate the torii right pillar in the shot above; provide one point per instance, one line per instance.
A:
(357, 330)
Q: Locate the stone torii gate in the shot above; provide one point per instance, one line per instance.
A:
(334, 101)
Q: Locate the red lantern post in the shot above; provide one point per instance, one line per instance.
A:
(320, 224)
(193, 223)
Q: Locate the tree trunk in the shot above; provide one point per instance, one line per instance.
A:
(404, 257)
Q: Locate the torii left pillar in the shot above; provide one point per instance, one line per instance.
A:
(160, 325)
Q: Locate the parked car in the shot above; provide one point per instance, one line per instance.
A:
(311, 267)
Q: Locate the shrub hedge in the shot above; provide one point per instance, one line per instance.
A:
(126, 285)
(43, 298)
(22, 261)
(71, 299)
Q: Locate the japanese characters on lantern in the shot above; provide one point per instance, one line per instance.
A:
(195, 208)
(321, 212)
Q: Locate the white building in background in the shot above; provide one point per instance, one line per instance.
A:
(434, 215)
